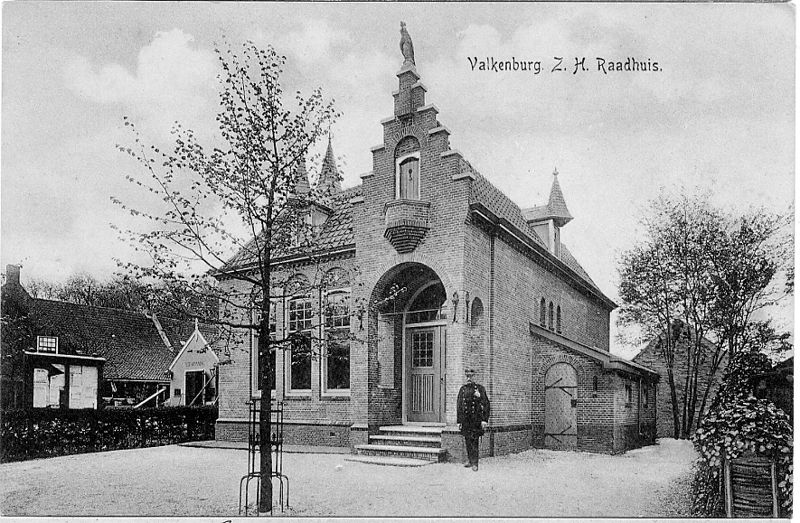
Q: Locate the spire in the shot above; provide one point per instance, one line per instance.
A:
(329, 179)
(301, 176)
(556, 205)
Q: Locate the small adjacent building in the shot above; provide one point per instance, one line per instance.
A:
(450, 273)
(194, 378)
(65, 355)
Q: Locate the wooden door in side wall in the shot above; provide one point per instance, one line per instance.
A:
(423, 389)
(561, 407)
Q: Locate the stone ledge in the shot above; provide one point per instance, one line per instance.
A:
(463, 175)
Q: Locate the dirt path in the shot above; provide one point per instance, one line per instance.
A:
(184, 481)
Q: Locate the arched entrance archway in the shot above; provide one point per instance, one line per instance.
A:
(410, 313)
(561, 407)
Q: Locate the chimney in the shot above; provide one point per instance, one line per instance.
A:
(12, 275)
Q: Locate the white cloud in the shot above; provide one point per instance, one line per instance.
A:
(312, 43)
(173, 80)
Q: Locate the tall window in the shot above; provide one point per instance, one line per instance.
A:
(542, 313)
(273, 332)
(336, 373)
(558, 319)
(299, 328)
(550, 315)
(408, 178)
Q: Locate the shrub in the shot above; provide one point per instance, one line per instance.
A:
(39, 433)
(738, 424)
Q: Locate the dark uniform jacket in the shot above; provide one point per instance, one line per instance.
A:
(472, 407)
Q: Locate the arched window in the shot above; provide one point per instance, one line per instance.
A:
(558, 319)
(476, 312)
(542, 313)
(594, 386)
(550, 317)
(429, 305)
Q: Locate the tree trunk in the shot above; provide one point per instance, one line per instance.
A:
(674, 397)
(264, 428)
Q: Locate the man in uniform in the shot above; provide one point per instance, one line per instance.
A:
(472, 408)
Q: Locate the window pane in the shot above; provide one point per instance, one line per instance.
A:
(46, 343)
(337, 310)
(299, 314)
(338, 364)
(301, 363)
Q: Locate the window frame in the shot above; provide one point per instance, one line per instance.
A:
(39, 340)
(543, 313)
(326, 391)
(397, 174)
(289, 390)
(550, 317)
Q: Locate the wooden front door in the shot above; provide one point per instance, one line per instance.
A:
(561, 407)
(424, 350)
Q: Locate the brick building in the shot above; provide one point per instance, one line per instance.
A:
(652, 356)
(57, 354)
(453, 274)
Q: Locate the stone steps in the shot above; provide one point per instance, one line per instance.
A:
(409, 441)
(402, 445)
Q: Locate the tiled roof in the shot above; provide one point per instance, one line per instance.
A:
(129, 341)
(179, 331)
(336, 232)
(484, 192)
(573, 264)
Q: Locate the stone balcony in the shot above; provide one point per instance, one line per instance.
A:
(406, 223)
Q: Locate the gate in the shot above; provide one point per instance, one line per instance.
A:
(561, 407)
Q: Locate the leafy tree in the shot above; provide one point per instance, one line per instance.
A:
(246, 195)
(696, 281)
(124, 292)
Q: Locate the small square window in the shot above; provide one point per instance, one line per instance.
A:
(47, 344)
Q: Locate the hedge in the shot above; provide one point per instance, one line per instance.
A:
(41, 433)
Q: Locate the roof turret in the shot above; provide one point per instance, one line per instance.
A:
(556, 205)
(329, 178)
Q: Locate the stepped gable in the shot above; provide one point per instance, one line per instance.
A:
(335, 233)
(129, 341)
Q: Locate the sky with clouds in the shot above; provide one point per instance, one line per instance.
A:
(718, 117)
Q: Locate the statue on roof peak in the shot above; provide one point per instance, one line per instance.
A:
(406, 45)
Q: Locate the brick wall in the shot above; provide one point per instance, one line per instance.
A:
(306, 414)
(652, 358)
